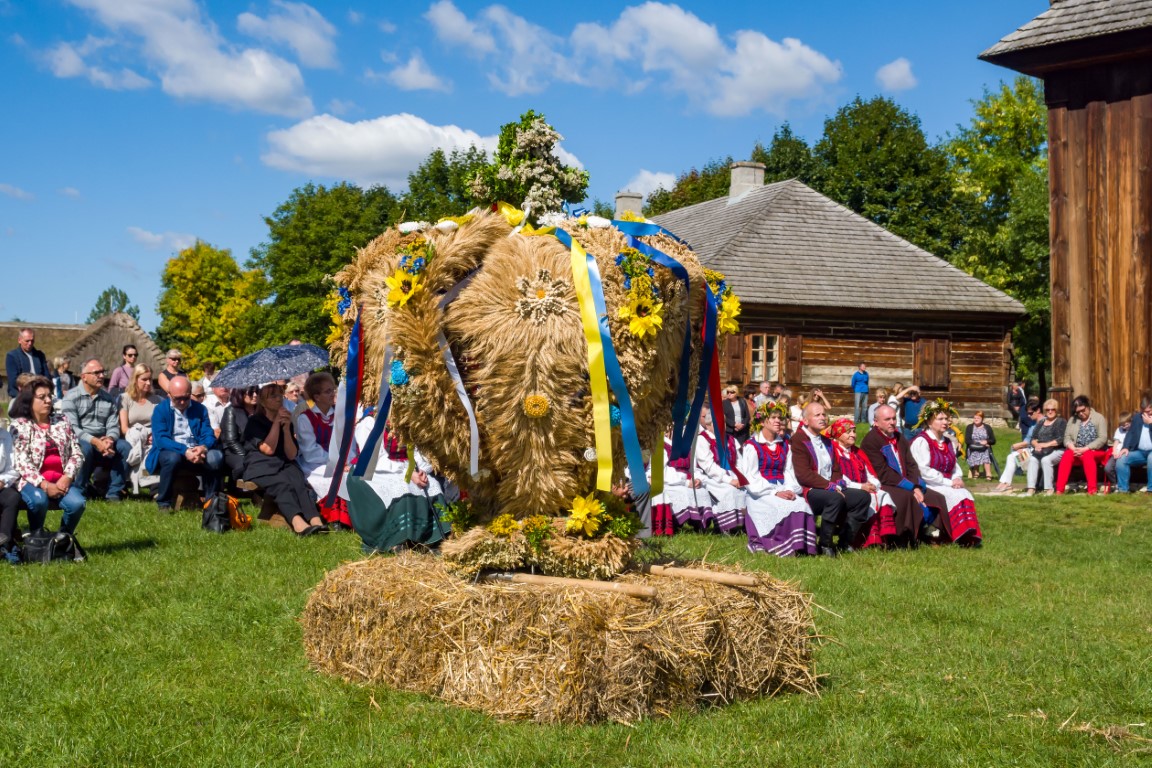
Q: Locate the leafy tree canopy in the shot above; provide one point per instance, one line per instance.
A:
(311, 236)
(787, 157)
(691, 187)
(113, 300)
(207, 306)
(441, 186)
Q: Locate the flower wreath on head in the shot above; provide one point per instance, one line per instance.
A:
(939, 405)
(840, 427)
(766, 409)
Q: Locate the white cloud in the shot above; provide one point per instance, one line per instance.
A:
(386, 26)
(194, 62)
(896, 75)
(342, 106)
(652, 43)
(646, 182)
(16, 192)
(379, 151)
(452, 26)
(297, 25)
(68, 60)
(416, 76)
(71, 192)
(355, 18)
(153, 241)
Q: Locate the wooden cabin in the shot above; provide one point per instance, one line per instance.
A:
(824, 289)
(1095, 58)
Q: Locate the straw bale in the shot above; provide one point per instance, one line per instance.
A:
(558, 654)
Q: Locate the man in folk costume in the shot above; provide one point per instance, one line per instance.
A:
(891, 459)
(843, 510)
(779, 520)
(683, 500)
(859, 473)
(935, 455)
(725, 486)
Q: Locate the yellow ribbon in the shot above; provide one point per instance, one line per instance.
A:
(511, 214)
(597, 378)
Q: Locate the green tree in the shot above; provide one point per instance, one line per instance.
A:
(207, 305)
(694, 186)
(312, 236)
(999, 166)
(873, 158)
(113, 300)
(787, 157)
(526, 170)
(441, 186)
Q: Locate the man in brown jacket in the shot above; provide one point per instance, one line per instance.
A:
(842, 510)
(887, 450)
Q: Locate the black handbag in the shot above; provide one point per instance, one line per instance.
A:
(44, 546)
(216, 518)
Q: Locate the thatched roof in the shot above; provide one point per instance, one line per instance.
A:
(107, 336)
(786, 244)
(1072, 29)
(51, 338)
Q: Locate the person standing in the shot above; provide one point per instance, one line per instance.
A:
(860, 393)
(1016, 400)
(95, 418)
(736, 414)
(25, 359)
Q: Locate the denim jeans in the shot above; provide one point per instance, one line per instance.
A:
(1124, 468)
(171, 461)
(117, 465)
(861, 407)
(38, 503)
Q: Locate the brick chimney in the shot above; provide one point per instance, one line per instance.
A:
(632, 202)
(745, 176)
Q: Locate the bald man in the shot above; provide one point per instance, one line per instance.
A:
(182, 438)
(888, 451)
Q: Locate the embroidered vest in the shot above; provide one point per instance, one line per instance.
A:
(772, 463)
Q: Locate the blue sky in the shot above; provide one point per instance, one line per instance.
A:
(132, 127)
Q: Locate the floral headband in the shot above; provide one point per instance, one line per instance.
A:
(939, 405)
(840, 427)
(767, 409)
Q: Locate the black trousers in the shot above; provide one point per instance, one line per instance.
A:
(9, 506)
(842, 513)
(291, 492)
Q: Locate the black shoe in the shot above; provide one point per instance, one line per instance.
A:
(830, 551)
(336, 526)
(311, 530)
(847, 550)
(79, 555)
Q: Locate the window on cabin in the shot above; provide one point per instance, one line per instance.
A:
(762, 364)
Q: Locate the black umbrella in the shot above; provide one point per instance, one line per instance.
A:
(271, 364)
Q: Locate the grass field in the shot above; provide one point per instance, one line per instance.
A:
(175, 647)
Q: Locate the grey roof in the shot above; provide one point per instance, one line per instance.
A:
(786, 244)
(1068, 20)
(105, 338)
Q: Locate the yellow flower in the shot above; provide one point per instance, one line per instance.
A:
(630, 216)
(729, 311)
(401, 287)
(536, 405)
(505, 525)
(332, 308)
(645, 316)
(585, 515)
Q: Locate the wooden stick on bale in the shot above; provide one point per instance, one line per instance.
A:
(632, 590)
(698, 574)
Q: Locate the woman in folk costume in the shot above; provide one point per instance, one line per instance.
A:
(936, 458)
(880, 530)
(779, 520)
(314, 434)
(402, 507)
(726, 486)
(684, 499)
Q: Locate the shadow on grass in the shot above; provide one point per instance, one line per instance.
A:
(132, 545)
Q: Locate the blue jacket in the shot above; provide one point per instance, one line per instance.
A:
(860, 381)
(16, 363)
(164, 424)
(1132, 439)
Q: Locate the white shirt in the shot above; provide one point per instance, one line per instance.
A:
(823, 458)
(181, 432)
(215, 409)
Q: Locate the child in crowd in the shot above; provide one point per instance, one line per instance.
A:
(1117, 444)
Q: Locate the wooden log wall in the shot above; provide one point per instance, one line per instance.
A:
(1100, 183)
(832, 347)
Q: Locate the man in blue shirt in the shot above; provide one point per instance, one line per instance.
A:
(860, 391)
(182, 438)
(1137, 448)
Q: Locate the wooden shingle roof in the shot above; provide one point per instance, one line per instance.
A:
(786, 244)
(1068, 22)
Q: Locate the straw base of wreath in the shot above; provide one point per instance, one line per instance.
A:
(555, 654)
(572, 556)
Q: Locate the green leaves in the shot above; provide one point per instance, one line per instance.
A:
(113, 300)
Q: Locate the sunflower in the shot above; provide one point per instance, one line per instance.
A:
(402, 285)
(729, 311)
(644, 315)
(585, 515)
(536, 405)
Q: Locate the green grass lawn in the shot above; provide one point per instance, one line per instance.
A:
(174, 647)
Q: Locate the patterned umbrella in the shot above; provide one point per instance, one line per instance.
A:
(271, 364)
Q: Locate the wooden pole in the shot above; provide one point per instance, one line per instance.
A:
(632, 590)
(698, 574)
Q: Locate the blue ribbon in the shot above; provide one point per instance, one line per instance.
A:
(682, 432)
(352, 397)
(644, 229)
(615, 375)
(574, 212)
(383, 407)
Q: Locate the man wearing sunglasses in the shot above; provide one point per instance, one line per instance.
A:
(182, 439)
(94, 415)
